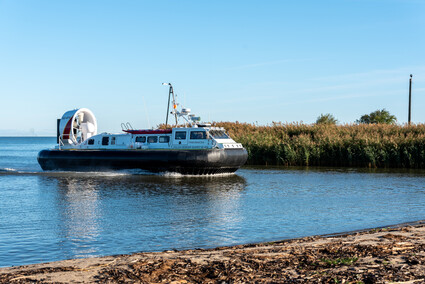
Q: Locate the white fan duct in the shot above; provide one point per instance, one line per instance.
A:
(77, 126)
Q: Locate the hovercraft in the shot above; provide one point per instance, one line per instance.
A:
(195, 148)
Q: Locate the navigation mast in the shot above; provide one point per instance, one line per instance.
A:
(171, 92)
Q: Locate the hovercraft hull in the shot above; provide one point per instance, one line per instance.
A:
(196, 162)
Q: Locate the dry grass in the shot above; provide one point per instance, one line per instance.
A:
(362, 145)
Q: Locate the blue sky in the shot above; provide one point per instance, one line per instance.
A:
(247, 61)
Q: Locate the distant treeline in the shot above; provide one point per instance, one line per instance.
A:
(363, 145)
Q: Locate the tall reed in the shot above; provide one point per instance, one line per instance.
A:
(298, 144)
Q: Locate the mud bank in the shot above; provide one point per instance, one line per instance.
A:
(391, 254)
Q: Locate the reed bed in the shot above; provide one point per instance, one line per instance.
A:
(364, 145)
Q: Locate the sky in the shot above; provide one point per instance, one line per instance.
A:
(248, 61)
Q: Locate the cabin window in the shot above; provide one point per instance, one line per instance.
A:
(152, 139)
(198, 135)
(164, 139)
(218, 134)
(141, 139)
(113, 140)
(180, 135)
(105, 140)
(90, 142)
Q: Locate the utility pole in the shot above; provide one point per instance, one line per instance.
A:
(410, 99)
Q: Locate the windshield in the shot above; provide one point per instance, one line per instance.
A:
(219, 134)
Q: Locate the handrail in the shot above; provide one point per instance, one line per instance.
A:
(60, 142)
(126, 126)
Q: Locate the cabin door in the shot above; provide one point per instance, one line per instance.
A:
(180, 137)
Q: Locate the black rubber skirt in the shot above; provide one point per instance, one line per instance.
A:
(196, 162)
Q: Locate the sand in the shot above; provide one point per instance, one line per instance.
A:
(383, 255)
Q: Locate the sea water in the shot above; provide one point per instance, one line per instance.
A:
(47, 216)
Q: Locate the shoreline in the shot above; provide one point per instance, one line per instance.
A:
(394, 253)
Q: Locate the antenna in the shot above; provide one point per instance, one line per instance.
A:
(146, 111)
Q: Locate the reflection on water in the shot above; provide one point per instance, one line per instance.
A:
(79, 210)
(162, 211)
(48, 216)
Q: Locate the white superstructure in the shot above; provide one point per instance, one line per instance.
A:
(78, 130)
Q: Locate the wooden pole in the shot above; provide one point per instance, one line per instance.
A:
(410, 100)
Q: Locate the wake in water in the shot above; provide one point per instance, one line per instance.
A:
(10, 171)
(128, 172)
(179, 175)
(5, 170)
